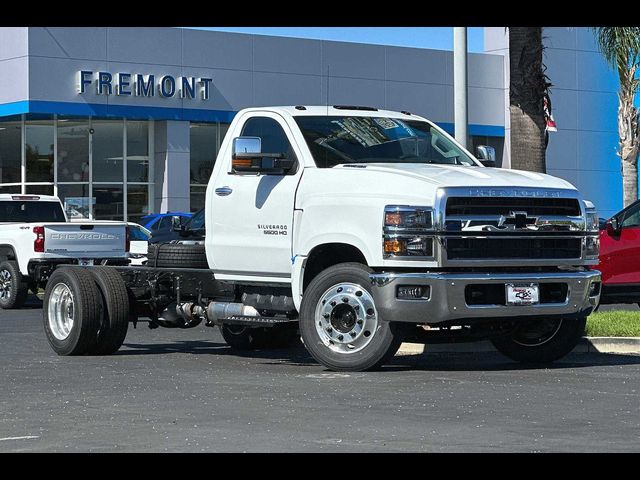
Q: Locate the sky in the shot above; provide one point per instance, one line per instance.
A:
(440, 38)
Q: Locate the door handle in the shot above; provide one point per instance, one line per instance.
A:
(223, 191)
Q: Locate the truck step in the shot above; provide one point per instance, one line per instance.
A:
(256, 321)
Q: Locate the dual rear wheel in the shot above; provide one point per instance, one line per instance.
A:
(86, 311)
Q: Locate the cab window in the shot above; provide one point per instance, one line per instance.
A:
(274, 138)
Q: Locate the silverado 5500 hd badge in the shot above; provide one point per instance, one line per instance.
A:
(273, 229)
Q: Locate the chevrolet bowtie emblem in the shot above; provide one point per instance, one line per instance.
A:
(517, 219)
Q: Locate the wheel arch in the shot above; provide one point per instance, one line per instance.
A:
(326, 255)
(7, 252)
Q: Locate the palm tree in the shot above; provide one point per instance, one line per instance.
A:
(527, 87)
(620, 46)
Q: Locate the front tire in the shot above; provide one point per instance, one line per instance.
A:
(72, 311)
(339, 322)
(541, 341)
(13, 288)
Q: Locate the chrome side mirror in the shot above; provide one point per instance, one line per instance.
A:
(247, 157)
(487, 155)
(246, 147)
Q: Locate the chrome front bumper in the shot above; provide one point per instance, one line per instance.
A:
(446, 301)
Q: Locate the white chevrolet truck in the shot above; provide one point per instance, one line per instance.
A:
(35, 237)
(355, 229)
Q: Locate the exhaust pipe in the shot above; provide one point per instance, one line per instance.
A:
(218, 311)
(184, 315)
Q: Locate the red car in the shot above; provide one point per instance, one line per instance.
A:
(620, 256)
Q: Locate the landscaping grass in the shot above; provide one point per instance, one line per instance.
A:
(614, 324)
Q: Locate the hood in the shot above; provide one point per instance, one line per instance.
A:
(461, 176)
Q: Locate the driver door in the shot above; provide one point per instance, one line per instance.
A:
(253, 220)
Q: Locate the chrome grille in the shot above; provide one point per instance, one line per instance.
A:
(509, 226)
(513, 248)
(477, 206)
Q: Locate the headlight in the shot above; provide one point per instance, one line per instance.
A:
(400, 217)
(593, 224)
(406, 232)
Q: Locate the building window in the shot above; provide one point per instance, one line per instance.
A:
(73, 150)
(109, 202)
(137, 202)
(39, 144)
(137, 152)
(11, 152)
(204, 139)
(75, 199)
(108, 150)
(98, 168)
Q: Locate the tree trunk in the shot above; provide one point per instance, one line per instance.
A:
(629, 181)
(526, 92)
(628, 132)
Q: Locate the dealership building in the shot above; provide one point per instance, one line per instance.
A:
(121, 122)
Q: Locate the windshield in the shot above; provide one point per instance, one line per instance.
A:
(339, 140)
(30, 212)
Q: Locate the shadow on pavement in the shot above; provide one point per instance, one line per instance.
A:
(447, 362)
(494, 361)
(296, 355)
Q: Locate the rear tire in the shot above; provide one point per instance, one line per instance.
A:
(339, 302)
(542, 341)
(177, 255)
(72, 311)
(13, 288)
(116, 314)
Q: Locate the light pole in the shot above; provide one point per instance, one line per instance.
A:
(460, 115)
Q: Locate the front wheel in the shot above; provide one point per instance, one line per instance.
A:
(541, 341)
(340, 324)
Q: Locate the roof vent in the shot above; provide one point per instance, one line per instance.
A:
(355, 107)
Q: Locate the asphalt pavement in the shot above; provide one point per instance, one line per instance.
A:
(186, 391)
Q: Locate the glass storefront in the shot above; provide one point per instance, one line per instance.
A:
(204, 140)
(10, 152)
(100, 169)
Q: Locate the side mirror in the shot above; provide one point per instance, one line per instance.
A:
(247, 157)
(613, 227)
(176, 223)
(487, 155)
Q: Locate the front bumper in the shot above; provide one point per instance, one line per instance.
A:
(447, 301)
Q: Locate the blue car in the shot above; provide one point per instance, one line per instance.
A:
(159, 221)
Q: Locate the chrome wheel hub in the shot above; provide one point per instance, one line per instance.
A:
(5, 285)
(346, 319)
(61, 311)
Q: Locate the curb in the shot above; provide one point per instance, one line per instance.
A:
(617, 345)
